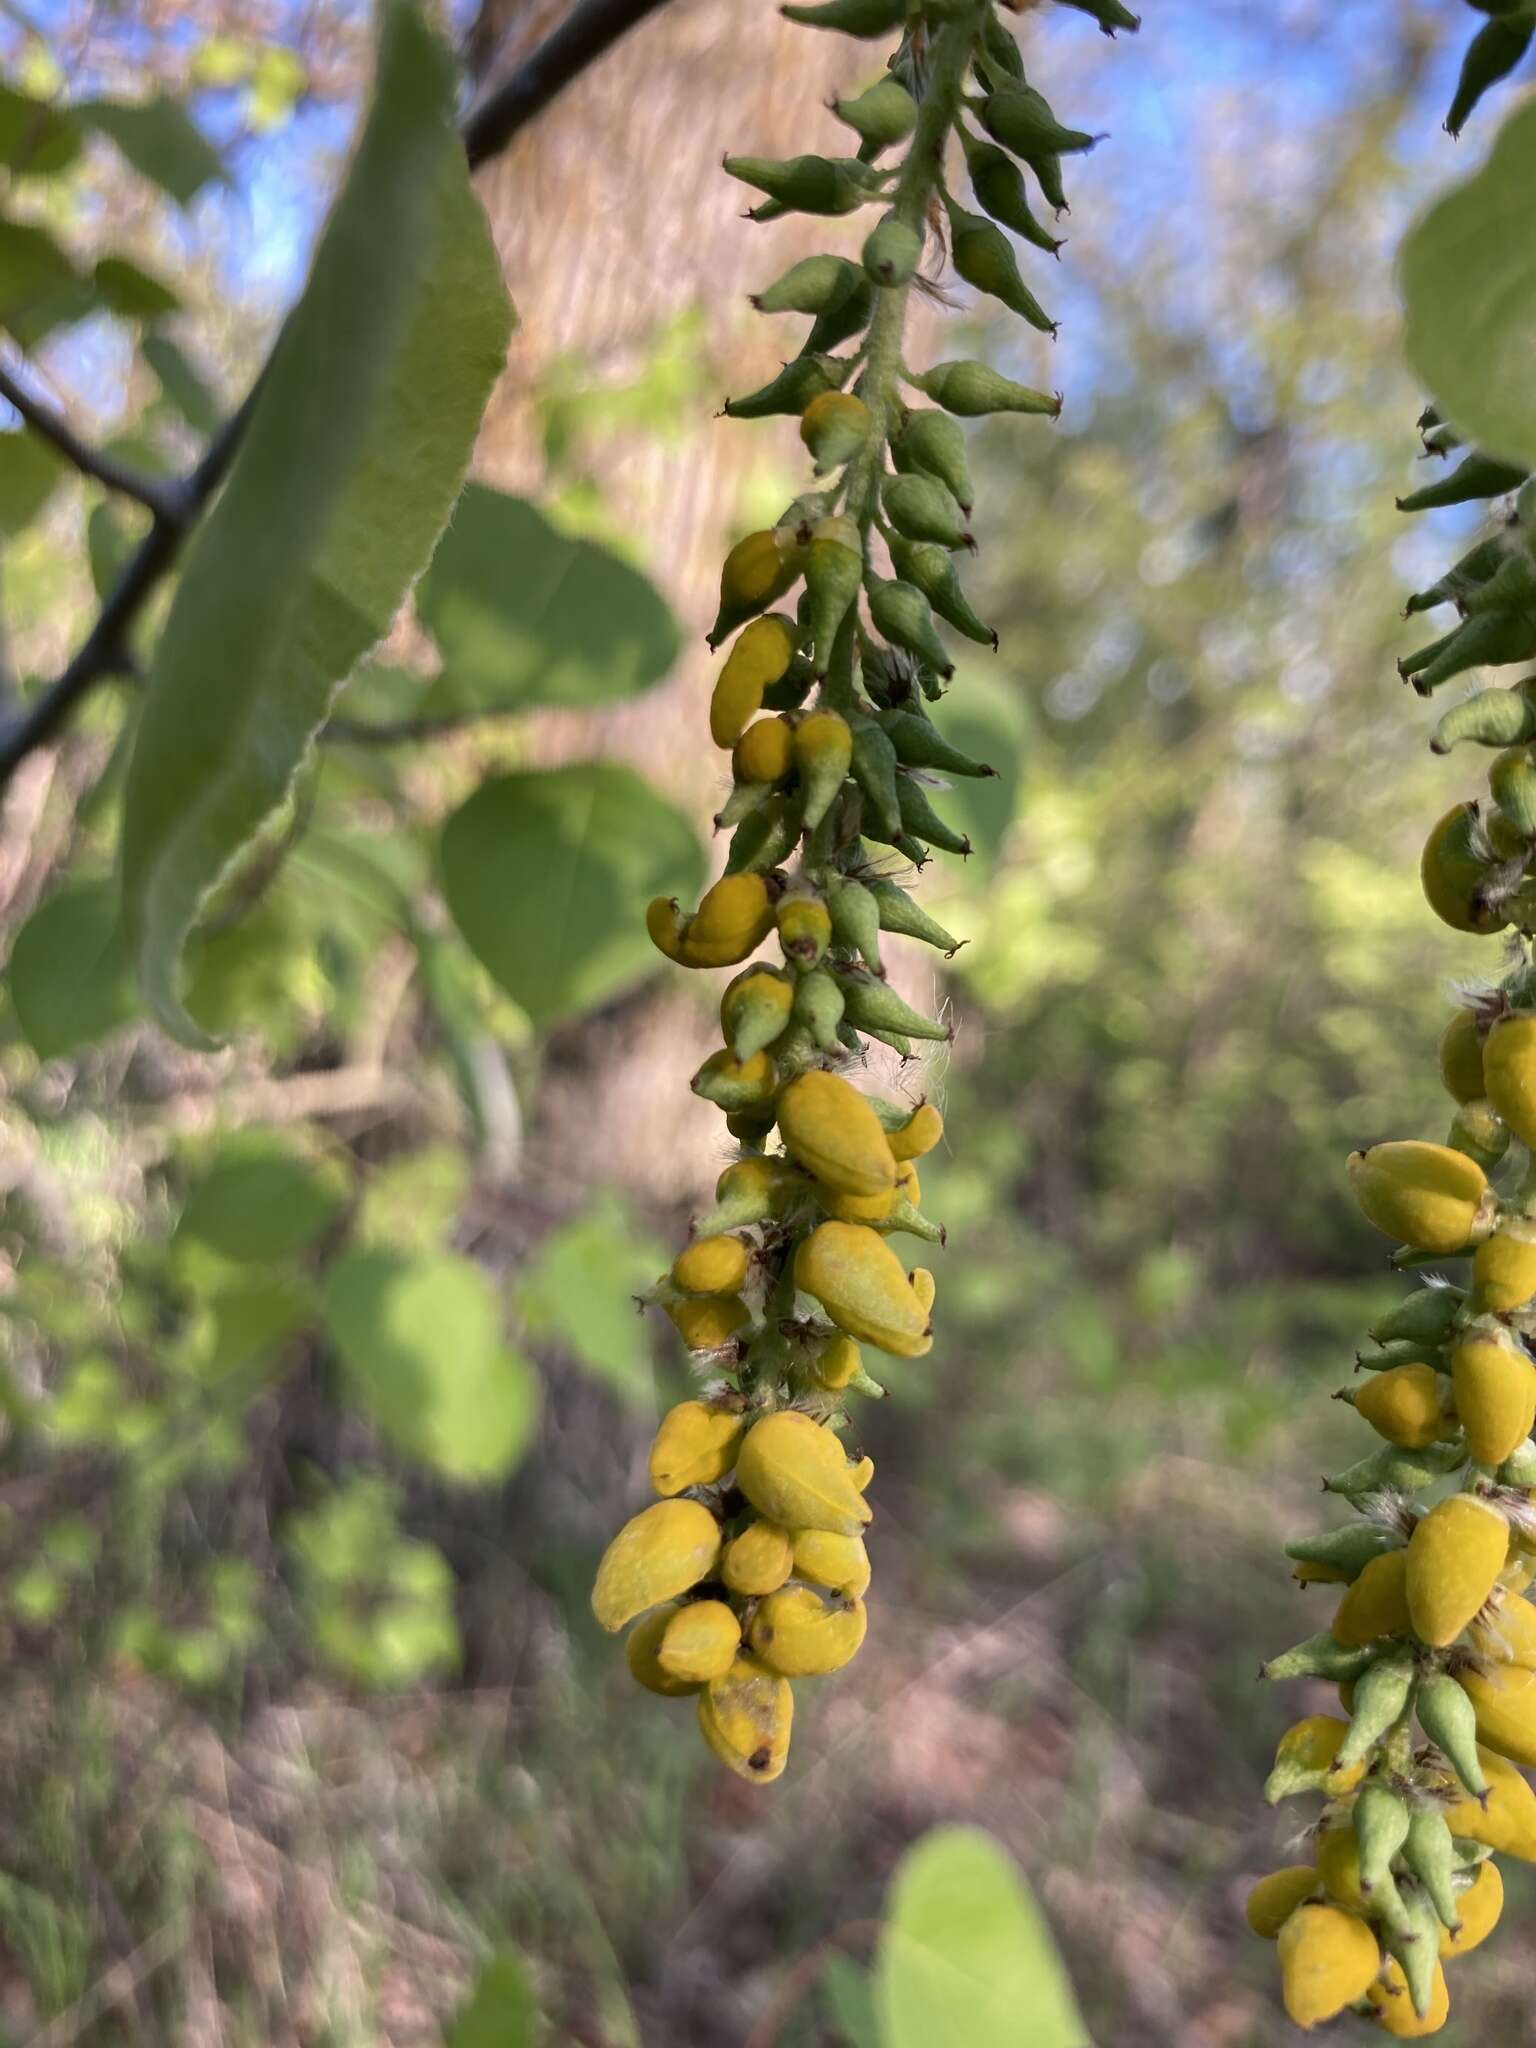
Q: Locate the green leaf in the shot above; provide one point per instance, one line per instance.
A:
(108, 544)
(1468, 277)
(262, 1199)
(29, 473)
(547, 875)
(848, 1994)
(181, 384)
(35, 138)
(412, 1202)
(68, 974)
(579, 1287)
(501, 2012)
(422, 1343)
(161, 141)
(359, 440)
(524, 614)
(966, 1959)
(131, 292)
(39, 286)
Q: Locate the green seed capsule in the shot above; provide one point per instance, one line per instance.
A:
(1491, 638)
(1427, 1315)
(1348, 1550)
(884, 115)
(810, 286)
(1109, 14)
(766, 838)
(983, 256)
(1477, 1131)
(873, 1005)
(902, 613)
(834, 571)
(1475, 569)
(1512, 779)
(796, 386)
(1430, 1853)
(849, 315)
(1381, 1694)
(922, 821)
(919, 744)
(1449, 1719)
(931, 569)
(856, 921)
(902, 916)
(1476, 476)
(819, 1007)
(1416, 1945)
(998, 185)
(1404, 1351)
(1047, 170)
(874, 770)
(806, 184)
(892, 252)
(931, 444)
(1000, 47)
(1493, 718)
(1491, 55)
(972, 390)
(921, 508)
(867, 18)
(1320, 1657)
(1021, 120)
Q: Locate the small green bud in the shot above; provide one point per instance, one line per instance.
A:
(834, 427)
(1476, 476)
(1320, 1657)
(1348, 1550)
(1381, 1694)
(1428, 1314)
(884, 115)
(1430, 1853)
(867, 18)
(809, 286)
(874, 770)
(805, 184)
(1415, 1941)
(931, 444)
(1512, 779)
(1109, 14)
(922, 821)
(920, 744)
(1449, 1719)
(834, 570)
(764, 839)
(819, 1007)
(1021, 120)
(984, 257)
(1494, 638)
(901, 612)
(892, 251)
(856, 921)
(973, 390)
(1493, 718)
(871, 1004)
(796, 386)
(999, 188)
(932, 569)
(921, 508)
(904, 918)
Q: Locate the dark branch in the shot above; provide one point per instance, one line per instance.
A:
(591, 29)
(157, 493)
(587, 32)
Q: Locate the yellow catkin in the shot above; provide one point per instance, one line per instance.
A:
(1376, 1604)
(1426, 1195)
(1328, 1959)
(864, 1288)
(1495, 1388)
(657, 1555)
(1405, 1405)
(694, 1446)
(746, 1718)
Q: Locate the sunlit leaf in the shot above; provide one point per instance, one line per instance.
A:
(29, 473)
(262, 1199)
(422, 1343)
(501, 2012)
(359, 441)
(40, 288)
(68, 974)
(966, 1959)
(35, 139)
(524, 614)
(180, 382)
(1468, 273)
(131, 292)
(548, 875)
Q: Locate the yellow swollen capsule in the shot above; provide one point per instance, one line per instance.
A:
(1509, 1064)
(758, 1561)
(793, 1471)
(734, 917)
(761, 656)
(864, 1288)
(765, 753)
(1507, 1820)
(1495, 1388)
(1454, 1555)
(657, 1555)
(823, 756)
(1405, 1405)
(707, 1324)
(1427, 1195)
(1338, 1866)
(830, 1128)
(1453, 870)
(755, 572)
(797, 1633)
(1479, 1906)
(695, 1446)
(745, 1717)
(700, 1642)
(1393, 2008)
(1508, 1633)
(1328, 1959)
(805, 928)
(919, 1134)
(1461, 1058)
(711, 1265)
(1504, 1701)
(838, 1362)
(1312, 1745)
(1275, 1898)
(640, 1648)
(1376, 1604)
(1504, 1267)
(840, 1563)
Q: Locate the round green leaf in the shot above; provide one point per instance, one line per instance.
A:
(547, 875)
(966, 1959)
(524, 614)
(262, 1200)
(68, 976)
(501, 2012)
(1468, 275)
(422, 1344)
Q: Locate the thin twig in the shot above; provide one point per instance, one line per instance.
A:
(160, 495)
(591, 29)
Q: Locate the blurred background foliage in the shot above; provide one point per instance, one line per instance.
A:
(321, 1379)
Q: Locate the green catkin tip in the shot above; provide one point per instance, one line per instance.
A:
(1476, 476)
(1491, 55)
